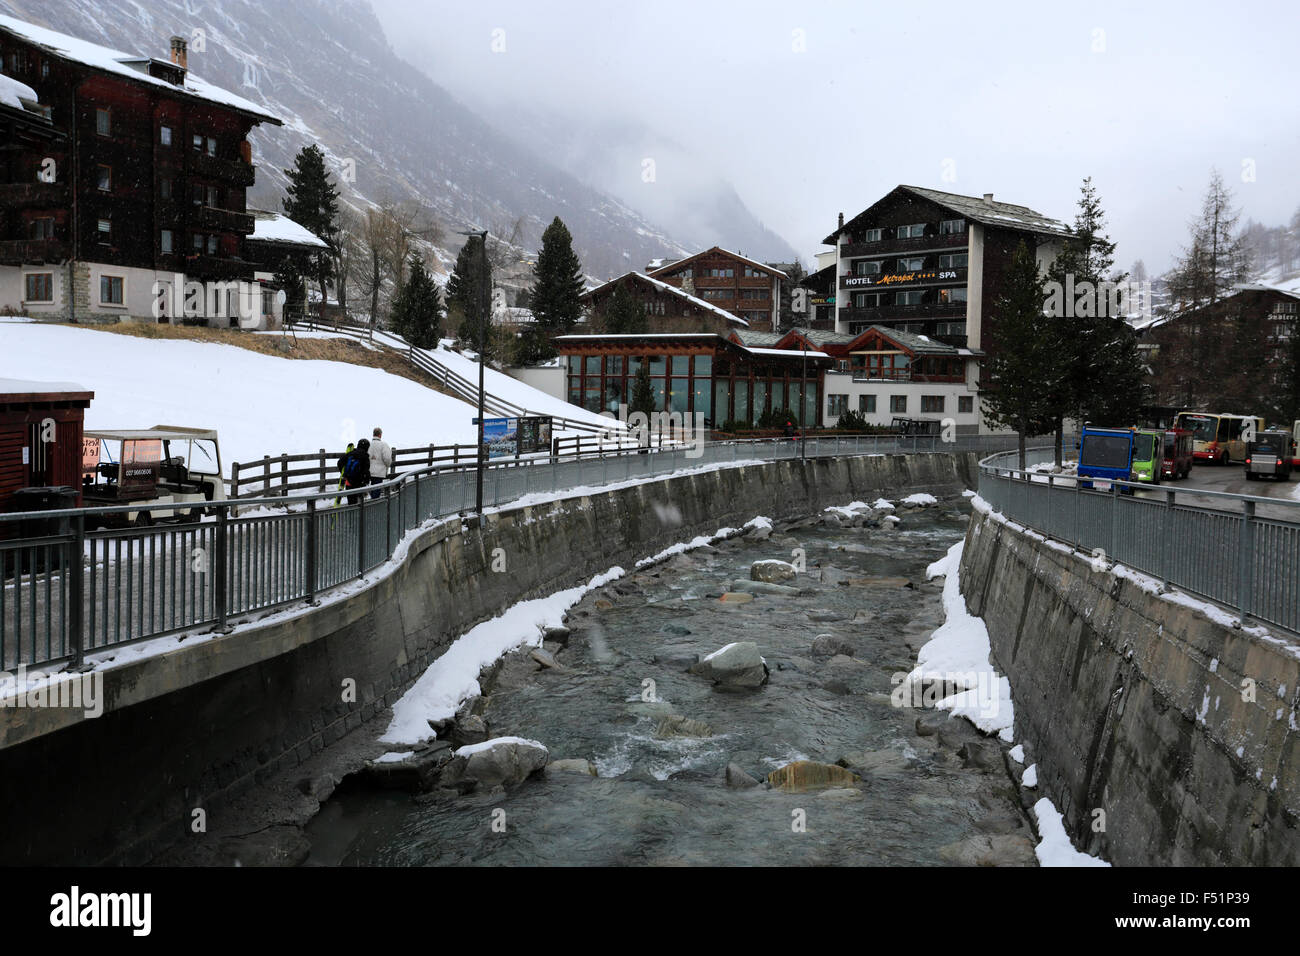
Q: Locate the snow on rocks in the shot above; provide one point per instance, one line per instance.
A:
(1054, 848)
(502, 761)
(735, 665)
(957, 655)
(920, 500)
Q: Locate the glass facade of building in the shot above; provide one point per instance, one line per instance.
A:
(717, 378)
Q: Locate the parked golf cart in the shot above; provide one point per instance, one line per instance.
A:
(166, 464)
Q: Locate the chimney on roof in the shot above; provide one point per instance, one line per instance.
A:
(180, 52)
(841, 220)
(988, 199)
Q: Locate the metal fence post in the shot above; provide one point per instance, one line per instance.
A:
(219, 572)
(310, 562)
(1114, 519)
(76, 593)
(1167, 536)
(1246, 565)
(388, 521)
(361, 536)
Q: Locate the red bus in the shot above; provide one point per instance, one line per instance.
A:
(1178, 455)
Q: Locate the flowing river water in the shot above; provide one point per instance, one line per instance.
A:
(934, 798)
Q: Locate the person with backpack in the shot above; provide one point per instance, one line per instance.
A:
(342, 465)
(356, 470)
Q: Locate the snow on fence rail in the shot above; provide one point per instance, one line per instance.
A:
(1228, 554)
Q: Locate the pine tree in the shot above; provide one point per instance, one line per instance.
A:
(623, 313)
(312, 201)
(1217, 257)
(417, 308)
(643, 396)
(1021, 376)
(469, 290)
(557, 287)
(1103, 378)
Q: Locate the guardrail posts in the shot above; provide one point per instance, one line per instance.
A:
(266, 476)
(361, 536)
(76, 592)
(1167, 538)
(388, 521)
(322, 471)
(310, 584)
(1246, 566)
(219, 572)
(1114, 519)
(234, 480)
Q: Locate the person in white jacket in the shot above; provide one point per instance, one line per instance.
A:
(381, 460)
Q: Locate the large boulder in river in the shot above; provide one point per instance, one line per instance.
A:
(803, 775)
(736, 665)
(502, 761)
(773, 572)
(829, 645)
(675, 725)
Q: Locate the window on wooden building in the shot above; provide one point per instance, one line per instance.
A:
(165, 135)
(914, 231)
(104, 178)
(104, 122)
(951, 227)
(104, 231)
(165, 242)
(43, 228)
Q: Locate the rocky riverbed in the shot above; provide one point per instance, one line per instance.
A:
(730, 705)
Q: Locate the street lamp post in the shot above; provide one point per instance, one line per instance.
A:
(482, 346)
(803, 398)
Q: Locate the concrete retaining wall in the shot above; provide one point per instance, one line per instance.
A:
(1133, 705)
(200, 723)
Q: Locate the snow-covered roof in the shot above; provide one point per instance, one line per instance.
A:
(988, 212)
(23, 386)
(13, 92)
(786, 353)
(277, 227)
(674, 290)
(735, 255)
(641, 335)
(127, 65)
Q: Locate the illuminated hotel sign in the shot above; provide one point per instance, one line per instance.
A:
(895, 278)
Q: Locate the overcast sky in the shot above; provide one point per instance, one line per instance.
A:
(817, 107)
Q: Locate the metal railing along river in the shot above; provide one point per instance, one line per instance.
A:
(81, 588)
(1229, 553)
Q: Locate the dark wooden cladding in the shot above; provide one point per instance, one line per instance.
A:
(105, 140)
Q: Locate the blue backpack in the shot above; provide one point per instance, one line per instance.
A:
(352, 470)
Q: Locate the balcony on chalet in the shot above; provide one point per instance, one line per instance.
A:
(902, 375)
(222, 220)
(17, 252)
(235, 172)
(29, 195)
(887, 314)
(217, 268)
(888, 245)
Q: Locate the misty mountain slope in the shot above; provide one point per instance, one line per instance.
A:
(325, 68)
(685, 189)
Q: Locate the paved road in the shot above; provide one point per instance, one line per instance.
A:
(1232, 479)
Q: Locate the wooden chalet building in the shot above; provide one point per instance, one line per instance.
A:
(138, 177)
(926, 267)
(1230, 356)
(729, 281)
(931, 263)
(884, 374)
(668, 307)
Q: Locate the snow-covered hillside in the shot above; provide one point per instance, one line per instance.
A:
(260, 404)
